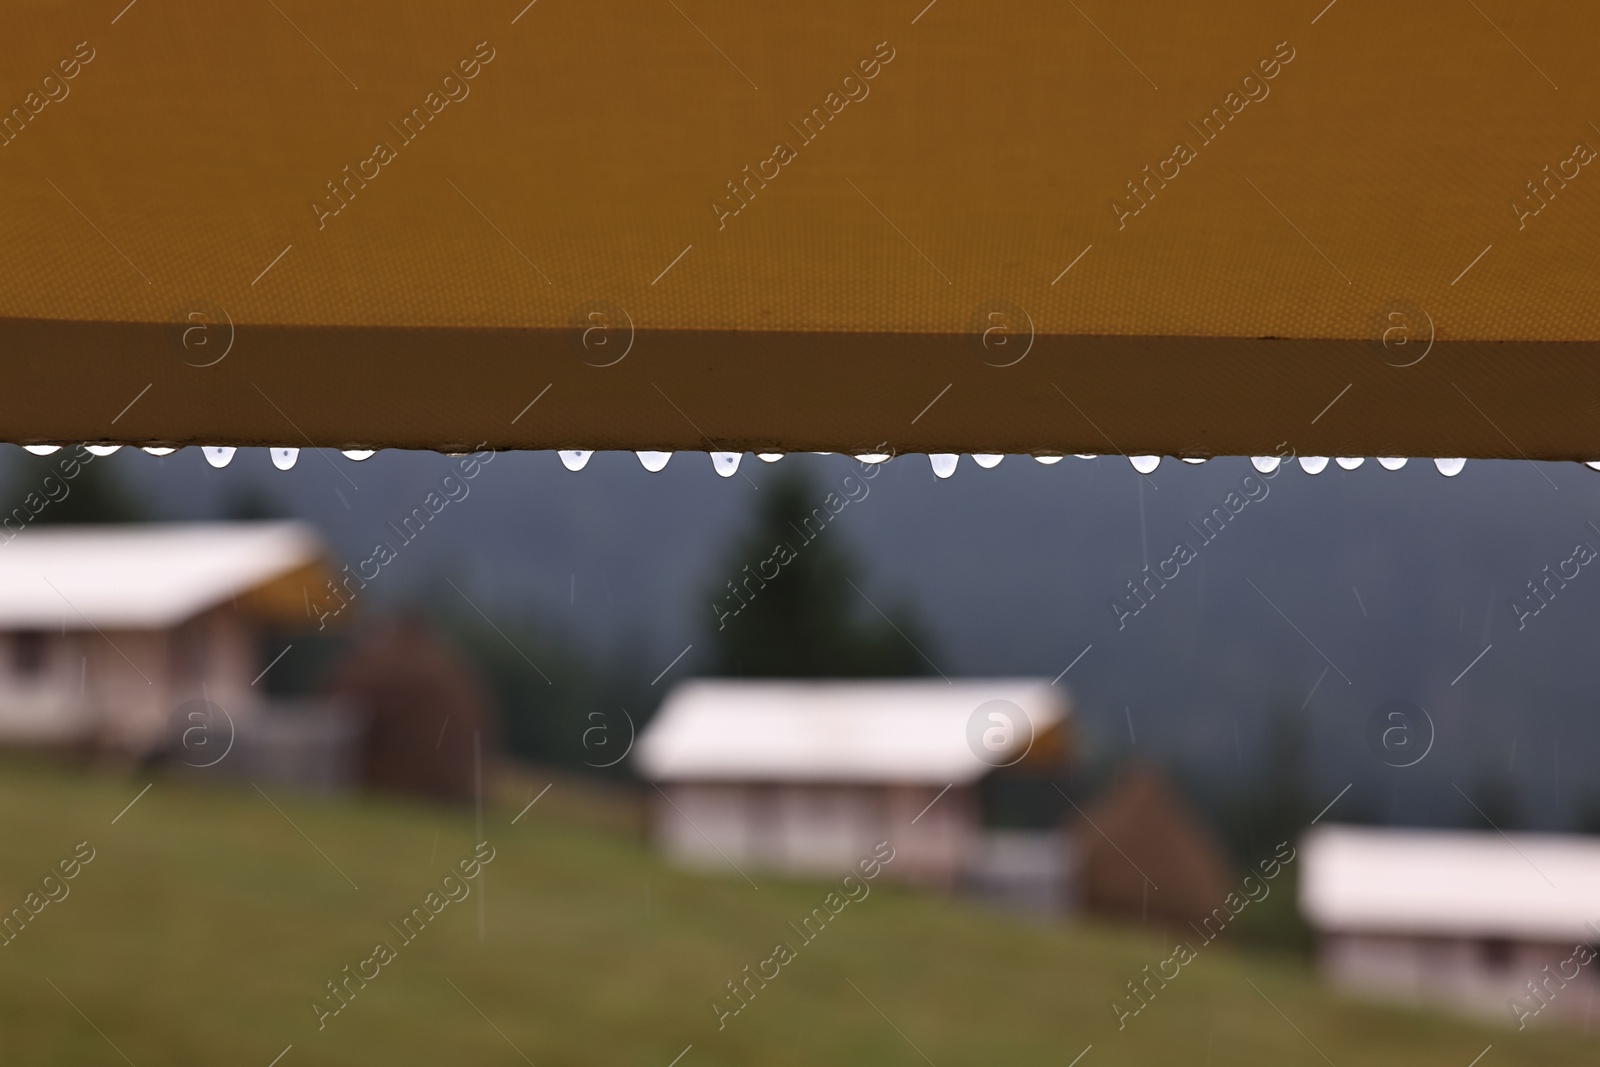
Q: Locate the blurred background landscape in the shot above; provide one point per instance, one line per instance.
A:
(556, 610)
(604, 576)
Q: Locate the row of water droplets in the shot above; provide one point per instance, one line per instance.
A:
(726, 464)
(216, 455)
(944, 464)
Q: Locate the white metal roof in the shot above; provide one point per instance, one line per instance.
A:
(1541, 887)
(141, 576)
(860, 731)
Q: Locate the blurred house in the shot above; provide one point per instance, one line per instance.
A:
(1502, 925)
(107, 633)
(1143, 855)
(806, 777)
(425, 712)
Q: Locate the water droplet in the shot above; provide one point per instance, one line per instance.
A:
(1350, 463)
(874, 457)
(1313, 464)
(653, 461)
(575, 460)
(1196, 460)
(1592, 464)
(1145, 464)
(726, 463)
(769, 457)
(1265, 464)
(1450, 467)
(1087, 455)
(357, 454)
(944, 463)
(42, 450)
(1048, 460)
(218, 455)
(101, 450)
(987, 460)
(1391, 463)
(283, 458)
(156, 450)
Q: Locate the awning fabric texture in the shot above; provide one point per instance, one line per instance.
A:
(1209, 228)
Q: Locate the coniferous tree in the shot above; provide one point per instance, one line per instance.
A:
(806, 621)
(93, 494)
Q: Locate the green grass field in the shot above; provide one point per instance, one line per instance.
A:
(207, 924)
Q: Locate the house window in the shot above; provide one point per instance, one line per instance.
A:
(1496, 953)
(27, 654)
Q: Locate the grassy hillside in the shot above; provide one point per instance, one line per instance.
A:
(206, 924)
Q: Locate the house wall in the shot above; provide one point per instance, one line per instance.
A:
(214, 656)
(1477, 976)
(119, 689)
(42, 689)
(817, 829)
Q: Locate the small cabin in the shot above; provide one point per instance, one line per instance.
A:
(806, 777)
(1495, 925)
(107, 631)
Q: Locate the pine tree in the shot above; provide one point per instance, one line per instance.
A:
(805, 621)
(94, 495)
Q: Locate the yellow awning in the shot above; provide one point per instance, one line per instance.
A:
(1077, 226)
